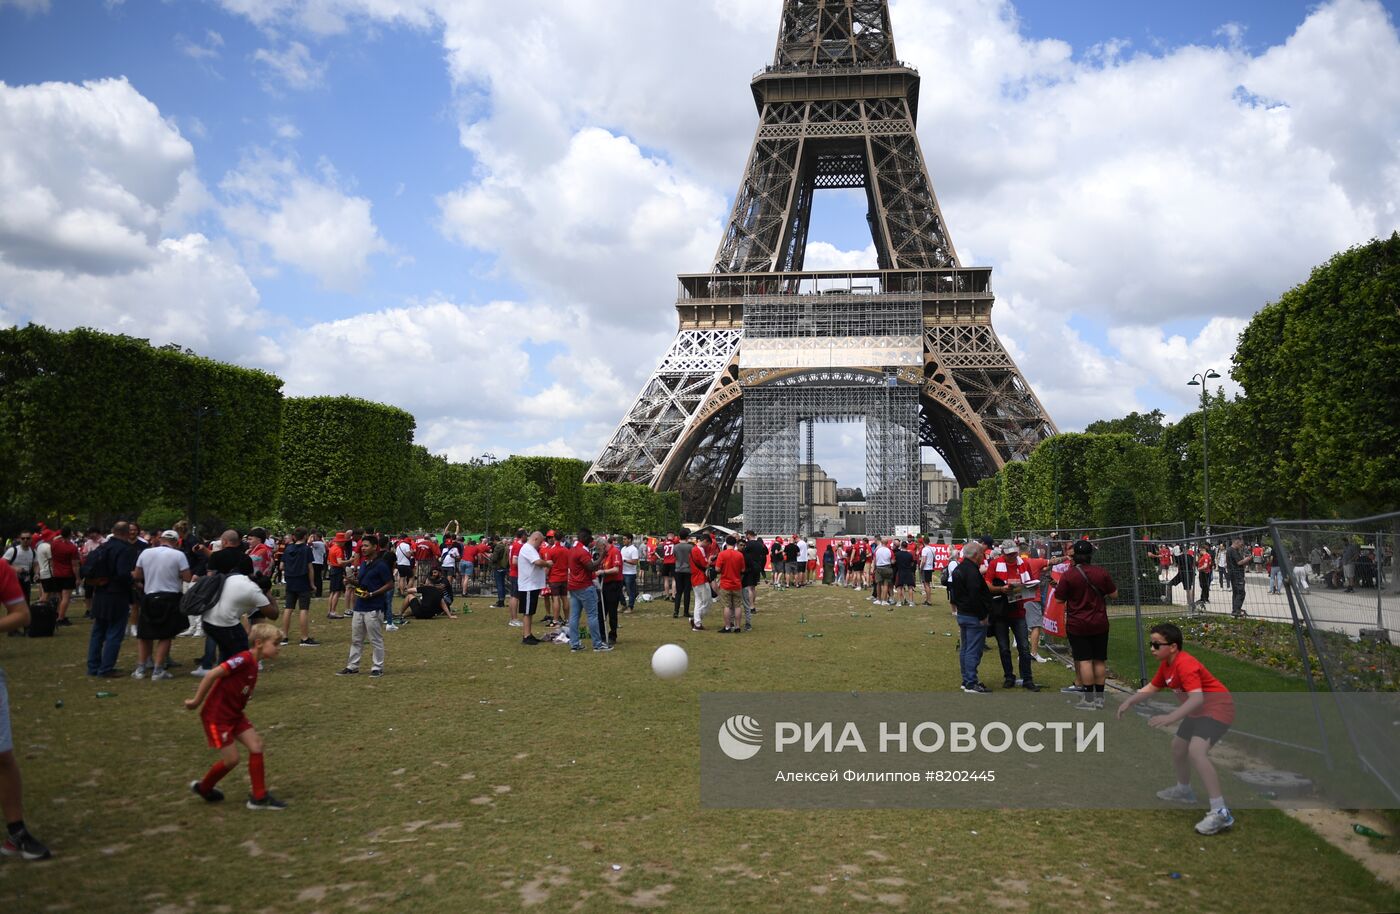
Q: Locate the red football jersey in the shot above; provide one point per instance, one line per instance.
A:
(230, 694)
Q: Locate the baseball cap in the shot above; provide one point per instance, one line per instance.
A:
(1083, 547)
(987, 541)
(551, 533)
(1008, 547)
(170, 535)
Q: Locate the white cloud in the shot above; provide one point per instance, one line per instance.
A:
(466, 372)
(292, 66)
(189, 291)
(96, 191)
(31, 7)
(306, 222)
(88, 174)
(208, 49)
(604, 225)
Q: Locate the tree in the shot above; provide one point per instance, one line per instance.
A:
(345, 462)
(1146, 428)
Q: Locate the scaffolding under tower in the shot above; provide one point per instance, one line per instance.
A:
(830, 358)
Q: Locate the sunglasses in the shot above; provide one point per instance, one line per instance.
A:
(1155, 645)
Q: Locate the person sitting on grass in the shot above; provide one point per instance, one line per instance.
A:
(224, 693)
(1205, 714)
(432, 599)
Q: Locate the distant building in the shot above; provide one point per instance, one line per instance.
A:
(845, 494)
(823, 486)
(939, 488)
(853, 514)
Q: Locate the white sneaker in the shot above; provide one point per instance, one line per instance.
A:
(1089, 702)
(1039, 659)
(1216, 821)
(139, 673)
(1178, 793)
(199, 671)
(516, 623)
(391, 627)
(158, 675)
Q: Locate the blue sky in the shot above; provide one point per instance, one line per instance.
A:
(387, 195)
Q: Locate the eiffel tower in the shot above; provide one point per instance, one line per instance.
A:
(765, 346)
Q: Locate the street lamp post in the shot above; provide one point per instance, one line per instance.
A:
(488, 460)
(1210, 374)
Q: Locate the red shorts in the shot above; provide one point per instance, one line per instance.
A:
(221, 733)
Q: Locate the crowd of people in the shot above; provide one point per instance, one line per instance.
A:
(560, 588)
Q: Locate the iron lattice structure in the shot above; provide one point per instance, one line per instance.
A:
(837, 109)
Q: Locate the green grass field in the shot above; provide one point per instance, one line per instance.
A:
(482, 775)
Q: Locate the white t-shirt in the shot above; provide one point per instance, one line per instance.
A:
(802, 550)
(318, 552)
(160, 569)
(403, 554)
(43, 555)
(239, 597)
(531, 576)
(927, 555)
(883, 556)
(630, 558)
(21, 559)
(449, 556)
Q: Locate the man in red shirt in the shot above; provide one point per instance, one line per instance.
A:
(612, 588)
(65, 562)
(583, 596)
(1205, 569)
(556, 594)
(224, 693)
(18, 841)
(668, 565)
(513, 579)
(259, 552)
(731, 566)
(336, 560)
(700, 587)
(1204, 714)
(1006, 568)
(1085, 590)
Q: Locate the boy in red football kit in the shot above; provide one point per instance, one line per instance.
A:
(1205, 714)
(224, 692)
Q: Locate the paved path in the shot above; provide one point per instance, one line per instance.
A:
(1335, 610)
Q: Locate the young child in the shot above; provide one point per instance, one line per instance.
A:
(1205, 714)
(224, 693)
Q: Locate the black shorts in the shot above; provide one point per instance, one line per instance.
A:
(558, 588)
(337, 582)
(1207, 728)
(529, 602)
(858, 565)
(405, 571)
(58, 585)
(299, 600)
(1089, 647)
(160, 618)
(928, 575)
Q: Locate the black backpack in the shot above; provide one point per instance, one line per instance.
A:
(100, 566)
(203, 595)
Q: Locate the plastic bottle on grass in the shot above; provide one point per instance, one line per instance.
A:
(106, 694)
(1367, 832)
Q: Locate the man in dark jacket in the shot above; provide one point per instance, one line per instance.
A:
(296, 564)
(968, 593)
(110, 564)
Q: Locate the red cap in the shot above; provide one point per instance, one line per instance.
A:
(551, 533)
